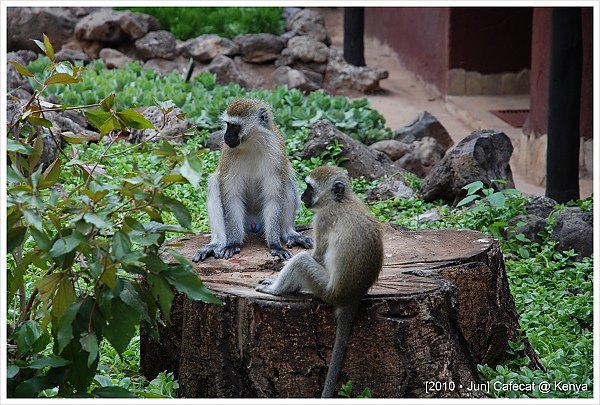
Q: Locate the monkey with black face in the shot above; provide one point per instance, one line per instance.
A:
(253, 189)
(345, 263)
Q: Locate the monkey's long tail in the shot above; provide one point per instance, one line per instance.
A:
(344, 317)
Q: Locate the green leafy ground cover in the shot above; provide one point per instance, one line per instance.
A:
(228, 22)
(552, 289)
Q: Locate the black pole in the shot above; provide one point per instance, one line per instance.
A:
(562, 159)
(354, 30)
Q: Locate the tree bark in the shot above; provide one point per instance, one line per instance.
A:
(440, 307)
(354, 32)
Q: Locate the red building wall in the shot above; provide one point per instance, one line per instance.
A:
(419, 36)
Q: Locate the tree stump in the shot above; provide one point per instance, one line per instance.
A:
(440, 307)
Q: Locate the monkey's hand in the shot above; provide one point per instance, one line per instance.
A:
(217, 251)
(299, 240)
(277, 251)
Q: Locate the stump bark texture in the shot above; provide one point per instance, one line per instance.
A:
(440, 307)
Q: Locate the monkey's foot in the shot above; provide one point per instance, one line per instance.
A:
(266, 285)
(216, 251)
(297, 239)
(278, 251)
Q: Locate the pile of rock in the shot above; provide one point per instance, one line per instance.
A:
(301, 58)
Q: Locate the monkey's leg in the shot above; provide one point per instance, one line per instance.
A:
(272, 213)
(218, 246)
(302, 272)
(290, 236)
(344, 318)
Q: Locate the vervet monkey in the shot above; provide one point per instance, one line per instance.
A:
(346, 261)
(253, 189)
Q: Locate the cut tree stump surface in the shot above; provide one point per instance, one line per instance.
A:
(440, 307)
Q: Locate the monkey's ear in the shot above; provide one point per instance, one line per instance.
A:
(338, 190)
(263, 117)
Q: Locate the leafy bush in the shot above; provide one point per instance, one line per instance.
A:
(87, 262)
(203, 101)
(228, 22)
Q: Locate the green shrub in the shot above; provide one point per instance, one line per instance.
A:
(228, 22)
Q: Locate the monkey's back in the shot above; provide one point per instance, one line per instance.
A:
(355, 249)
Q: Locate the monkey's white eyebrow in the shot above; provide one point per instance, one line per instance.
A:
(309, 180)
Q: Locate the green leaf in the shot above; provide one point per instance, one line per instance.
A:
(26, 335)
(97, 117)
(162, 293)
(109, 276)
(23, 71)
(130, 296)
(50, 175)
(109, 125)
(12, 370)
(192, 169)
(52, 362)
(188, 282)
(64, 245)
(41, 238)
(47, 285)
(108, 102)
(497, 200)
(64, 333)
(473, 187)
(134, 119)
(30, 388)
(40, 44)
(61, 78)
(19, 147)
(49, 48)
(15, 237)
(65, 297)
(121, 325)
(97, 220)
(42, 122)
(38, 147)
(180, 211)
(467, 200)
(112, 392)
(76, 139)
(121, 245)
(89, 343)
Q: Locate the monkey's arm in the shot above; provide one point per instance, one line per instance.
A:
(226, 221)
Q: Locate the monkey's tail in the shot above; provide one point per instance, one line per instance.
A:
(344, 317)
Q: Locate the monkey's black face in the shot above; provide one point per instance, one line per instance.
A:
(307, 196)
(232, 135)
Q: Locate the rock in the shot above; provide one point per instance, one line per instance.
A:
(72, 56)
(425, 125)
(390, 187)
(303, 49)
(362, 161)
(215, 140)
(114, 59)
(483, 155)
(293, 79)
(574, 229)
(205, 48)
(392, 148)
(164, 66)
(340, 75)
(529, 225)
(156, 44)
(109, 26)
(424, 154)
(14, 80)
(27, 23)
(429, 216)
(227, 71)
(259, 48)
(174, 129)
(540, 205)
(90, 48)
(136, 25)
(289, 12)
(309, 23)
